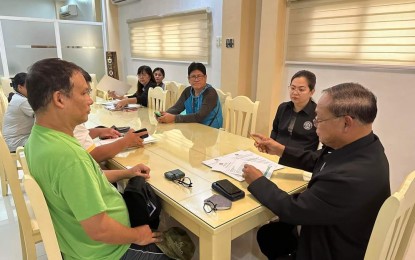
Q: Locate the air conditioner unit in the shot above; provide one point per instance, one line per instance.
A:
(68, 11)
(122, 2)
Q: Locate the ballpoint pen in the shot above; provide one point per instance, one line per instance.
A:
(267, 172)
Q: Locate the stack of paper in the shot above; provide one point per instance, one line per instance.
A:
(232, 164)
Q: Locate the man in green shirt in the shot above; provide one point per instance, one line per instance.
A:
(89, 215)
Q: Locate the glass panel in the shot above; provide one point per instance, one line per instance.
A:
(82, 44)
(28, 8)
(27, 42)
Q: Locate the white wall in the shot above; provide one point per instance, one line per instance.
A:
(394, 124)
(174, 70)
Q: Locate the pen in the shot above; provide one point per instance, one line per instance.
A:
(253, 137)
(266, 173)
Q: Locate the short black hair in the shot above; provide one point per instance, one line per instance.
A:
(46, 77)
(308, 75)
(196, 66)
(18, 79)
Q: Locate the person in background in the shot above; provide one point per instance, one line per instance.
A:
(106, 151)
(159, 76)
(200, 101)
(293, 122)
(89, 215)
(145, 81)
(19, 117)
(349, 184)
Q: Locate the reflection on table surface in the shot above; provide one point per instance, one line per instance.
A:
(185, 146)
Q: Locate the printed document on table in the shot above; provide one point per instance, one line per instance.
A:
(233, 168)
(232, 164)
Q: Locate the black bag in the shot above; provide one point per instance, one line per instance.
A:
(143, 205)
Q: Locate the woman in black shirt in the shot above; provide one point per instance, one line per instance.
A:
(293, 122)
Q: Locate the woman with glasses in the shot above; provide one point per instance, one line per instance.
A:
(200, 101)
(145, 82)
(293, 122)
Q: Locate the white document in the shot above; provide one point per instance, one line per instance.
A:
(232, 164)
(107, 83)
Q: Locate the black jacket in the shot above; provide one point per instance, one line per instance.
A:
(304, 133)
(143, 98)
(338, 209)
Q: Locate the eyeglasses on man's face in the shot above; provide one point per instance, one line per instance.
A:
(197, 77)
(299, 90)
(318, 121)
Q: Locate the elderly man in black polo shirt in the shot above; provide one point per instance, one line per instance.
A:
(350, 182)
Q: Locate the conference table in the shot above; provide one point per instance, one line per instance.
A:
(185, 146)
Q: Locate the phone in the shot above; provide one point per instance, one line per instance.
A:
(141, 130)
(174, 175)
(228, 189)
(157, 113)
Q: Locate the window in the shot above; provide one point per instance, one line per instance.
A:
(183, 37)
(380, 32)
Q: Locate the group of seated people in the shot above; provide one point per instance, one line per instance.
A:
(336, 212)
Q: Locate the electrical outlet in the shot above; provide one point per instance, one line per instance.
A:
(230, 43)
(218, 41)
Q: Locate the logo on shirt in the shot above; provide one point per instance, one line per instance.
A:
(307, 125)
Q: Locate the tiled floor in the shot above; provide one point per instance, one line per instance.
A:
(10, 241)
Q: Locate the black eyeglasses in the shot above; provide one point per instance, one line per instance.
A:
(209, 206)
(185, 181)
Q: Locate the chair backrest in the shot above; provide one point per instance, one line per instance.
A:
(42, 215)
(27, 231)
(222, 98)
(391, 234)
(5, 84)
(241, 115)
(132, 80)
(157, 98)
(173, 92)
(3, 107)
(22, 160)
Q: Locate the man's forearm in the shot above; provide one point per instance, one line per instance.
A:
(117, 175)
(108, 151)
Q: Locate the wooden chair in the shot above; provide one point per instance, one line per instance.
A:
(241, 115)
(3, 107)
(222, 98)
(29, 229)
(5, 84)
(173, 92)
(392, 232)
(157, 98)
(42, 215)
(132, 80)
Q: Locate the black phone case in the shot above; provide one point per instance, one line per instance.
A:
(228, 190)
(142, 130)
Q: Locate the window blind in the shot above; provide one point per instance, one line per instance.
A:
(183, 37)
(358, 32)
